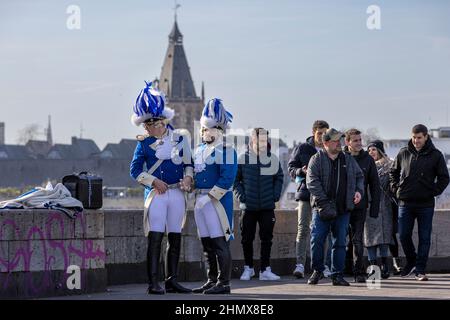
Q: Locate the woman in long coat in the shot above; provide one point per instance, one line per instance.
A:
(378, 231)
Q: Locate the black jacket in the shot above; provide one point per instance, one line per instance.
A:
(299, 158)
(258, 191)
(417, 177)
(371, 182)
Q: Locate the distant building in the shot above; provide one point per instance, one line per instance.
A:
(14, 152)
(441, 132)
(122, 150)
(79, 149)
(176, 82)
(38, 149)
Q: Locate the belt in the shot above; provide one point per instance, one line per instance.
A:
(173, 186)
(202, 191)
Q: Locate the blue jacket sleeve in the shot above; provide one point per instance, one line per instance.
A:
(137, 164)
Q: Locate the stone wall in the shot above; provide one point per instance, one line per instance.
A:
(38, 246)
(126, 246)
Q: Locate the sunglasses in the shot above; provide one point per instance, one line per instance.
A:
(155, 124)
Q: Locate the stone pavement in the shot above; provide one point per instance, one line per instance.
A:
(289, 288)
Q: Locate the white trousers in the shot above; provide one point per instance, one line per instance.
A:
(167, 210)
(207, 220)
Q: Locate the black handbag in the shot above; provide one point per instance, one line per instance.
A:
(302, 193)
(87, 188)
(328, 211)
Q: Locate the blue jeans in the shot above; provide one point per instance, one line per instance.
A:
(372, 251)
(319, 233)
(328, 252)
(406, 220)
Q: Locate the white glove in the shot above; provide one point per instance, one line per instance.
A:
(145, 179)
(201, 202)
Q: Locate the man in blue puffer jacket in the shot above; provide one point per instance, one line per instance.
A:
(258, 186)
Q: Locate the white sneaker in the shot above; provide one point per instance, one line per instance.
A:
(268, 275)
(326, 272)
(299, 271)
(248, 273)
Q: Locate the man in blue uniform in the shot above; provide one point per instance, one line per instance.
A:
(215, 170)
(160, 150)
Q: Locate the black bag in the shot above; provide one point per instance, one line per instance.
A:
(85, 187)
(302, 193)
(328, 211)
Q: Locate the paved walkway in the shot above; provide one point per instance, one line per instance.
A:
(438, 287)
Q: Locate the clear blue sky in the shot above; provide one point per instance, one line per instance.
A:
(278, 64)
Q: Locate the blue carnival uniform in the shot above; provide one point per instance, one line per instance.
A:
(163, 160)
(214, 173)
(215, 167)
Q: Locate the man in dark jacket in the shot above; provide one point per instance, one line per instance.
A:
(358, 215)
(258, 185)
(419, 174)
(336, 184)
(297, 166)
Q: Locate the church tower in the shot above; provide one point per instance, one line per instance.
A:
(176, 82)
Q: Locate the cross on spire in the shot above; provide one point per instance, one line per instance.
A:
(175, 8)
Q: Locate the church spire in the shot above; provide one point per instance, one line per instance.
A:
(49, 131)
(203, 92)
(175, 80)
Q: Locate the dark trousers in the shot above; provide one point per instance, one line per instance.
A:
(357, 220)
(406, 219)
(266, 221)
(394, 247)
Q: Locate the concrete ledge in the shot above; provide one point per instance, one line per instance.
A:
(128, 248)
(37, 246)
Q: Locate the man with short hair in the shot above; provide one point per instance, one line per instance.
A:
(366, 163)
(336, 184)
(297, 166)
(258, 186)
(419, 174)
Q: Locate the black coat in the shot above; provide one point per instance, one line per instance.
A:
(417, 177)
(371, 182)
(256, 190)
(300, 157)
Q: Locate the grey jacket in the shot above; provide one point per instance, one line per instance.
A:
(319, 174)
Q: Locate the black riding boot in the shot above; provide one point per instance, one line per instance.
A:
(210, 256)
(172, 258)
(153, 253)
(222, 249)
(384, 268)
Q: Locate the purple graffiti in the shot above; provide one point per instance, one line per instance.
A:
(44, 245)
